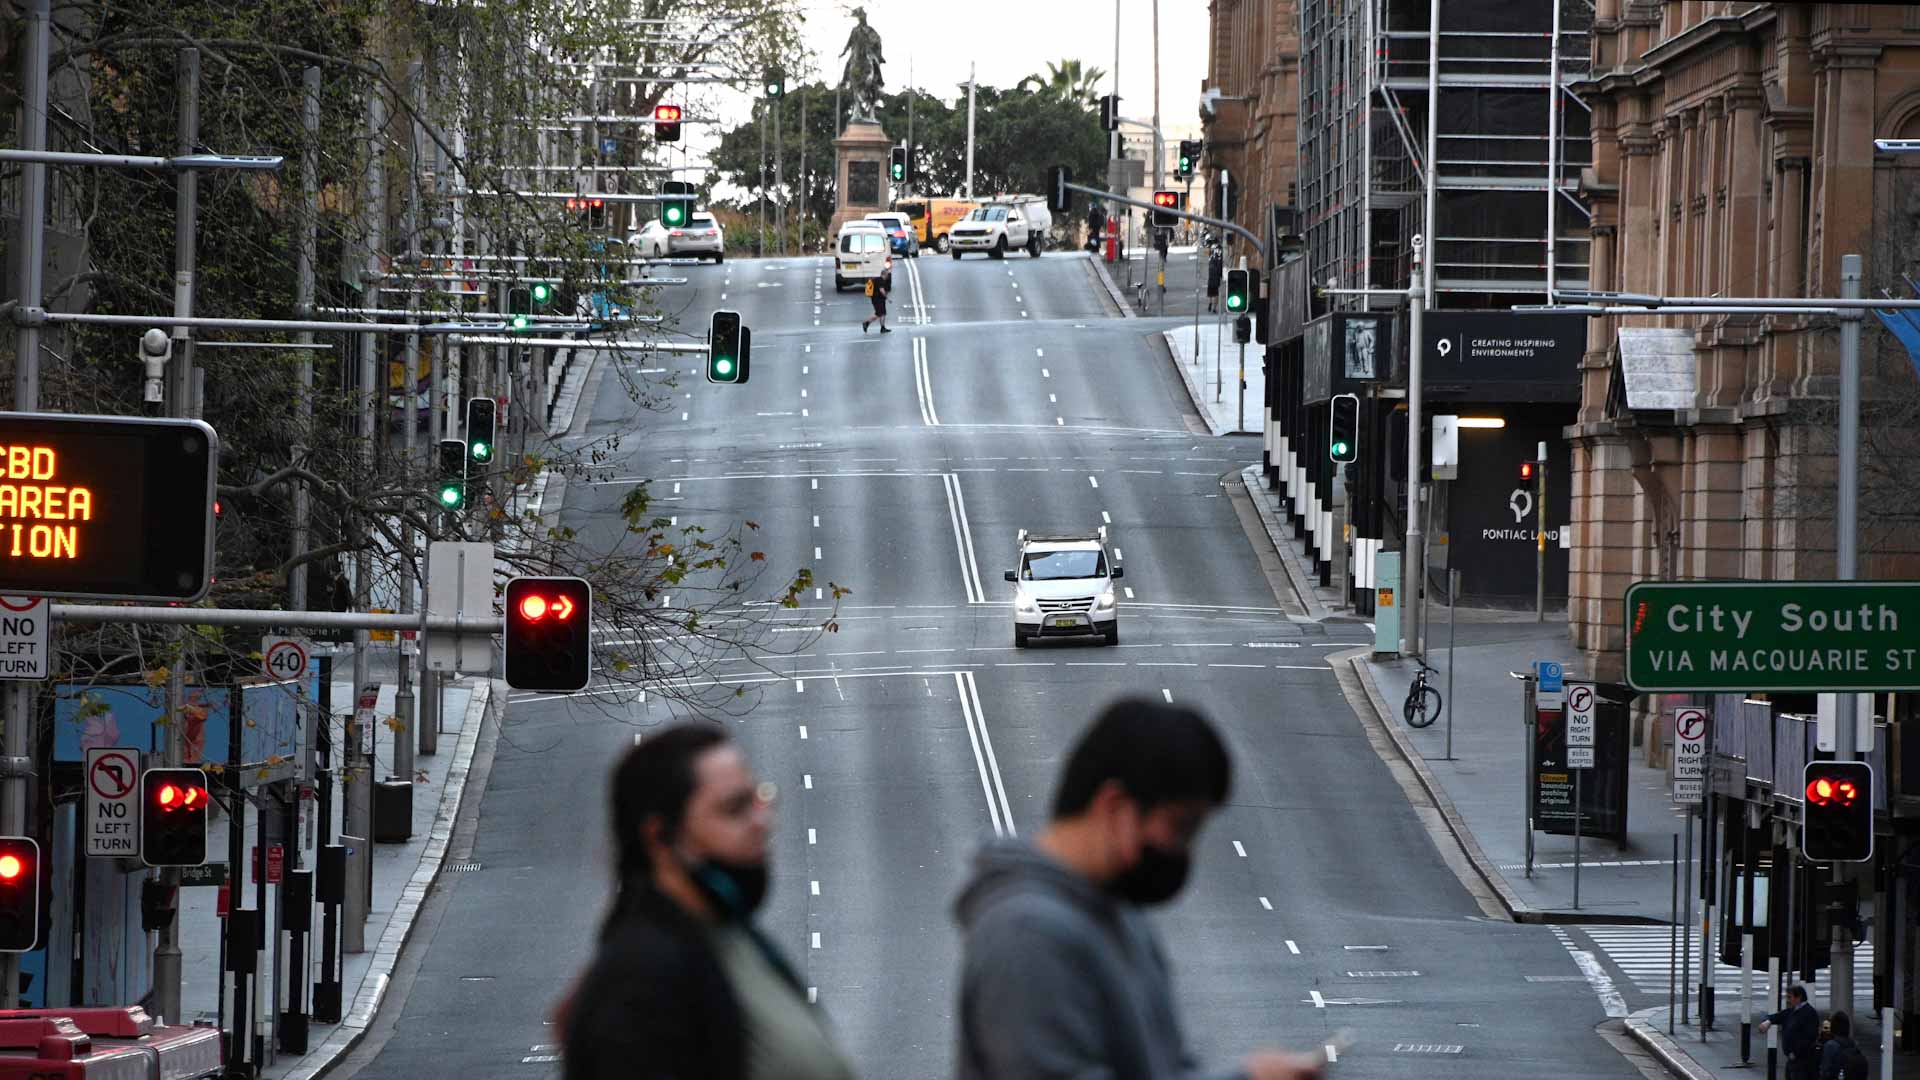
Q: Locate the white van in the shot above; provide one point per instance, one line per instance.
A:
(861, 253)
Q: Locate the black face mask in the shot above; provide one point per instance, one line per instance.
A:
(734, 889)
(1156, 878)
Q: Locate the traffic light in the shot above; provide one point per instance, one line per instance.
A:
(519, 307)
(1189, 158)
(1059, 196)
(1239, 291)
(776, 84)
(1242, 330)
(548, 643)
(480, 418)
(19, 894)
(666, 123)
(173, 817)
(1343, 429)
(674, 211)
(1110, 112)
(1838, 823)
(1526, 471)
(1164, 201)
(451, 494)
(729, 349)
(899, 165)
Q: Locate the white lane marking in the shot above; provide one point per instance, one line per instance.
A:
(1239, 850)
(1129, 589)
(1116, 554)
(1318, 1001)
(813, 837)
(1059, 421)
(799, 686)
(683, 416)
(1106, 517)
(813, 995)
(1168, 694)
(803, 392)
(1045, 374)
(817, 595)
(803, 731)
(807, 779)
(1602, 983)
(1095, 481)
(1000, 814)
(1039, 352)
(816, 939)
(963, 540)
(816, 521)
(816, 551)
(805, 370)
(1266, 903)
(676, 487)
(923, 383)
(815, 888)
(1293, 948)
(1023, 314)
(1333, 1053)
(816, 483)
(804, 412)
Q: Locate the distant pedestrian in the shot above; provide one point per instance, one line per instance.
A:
(878, 288)
(1216, 267)
(1840, 1057)
(1801, 1022)
(682, 984)
(1061, 973)
(1096, 226)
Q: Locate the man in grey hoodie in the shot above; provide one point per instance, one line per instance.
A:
(1062, 976)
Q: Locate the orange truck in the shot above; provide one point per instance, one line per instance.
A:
(97, 1043)
(934, 217)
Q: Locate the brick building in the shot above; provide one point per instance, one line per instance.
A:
(1251, 129)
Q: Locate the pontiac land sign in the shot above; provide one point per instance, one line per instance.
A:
(1773, 636)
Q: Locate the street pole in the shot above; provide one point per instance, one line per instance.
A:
(1846, 519)
(1540, 534)
(306, 245)
(1410, 570)
(1453, 626)
(30, 260)
(1553, 154)
(779, 171)
(1433, 172)
(1113, 137)
(1160, 163)
(802, 223)
(403, 695)
(760, 244)
(970, 89)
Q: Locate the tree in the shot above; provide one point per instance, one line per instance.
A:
(1066, 81)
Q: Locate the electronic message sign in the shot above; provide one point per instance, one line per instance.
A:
(106, 507)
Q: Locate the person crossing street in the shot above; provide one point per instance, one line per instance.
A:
(878, 288)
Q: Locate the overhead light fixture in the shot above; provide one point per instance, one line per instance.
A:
(1489, 422)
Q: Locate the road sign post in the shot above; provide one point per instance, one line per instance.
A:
(1690, 725)
(112, 820)
(283, 658)
(23, 637)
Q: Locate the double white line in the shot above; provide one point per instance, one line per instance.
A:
(990, 783)
(963, 539)
(916, 295)
(923, 383)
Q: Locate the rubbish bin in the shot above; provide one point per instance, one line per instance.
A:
(392, 812)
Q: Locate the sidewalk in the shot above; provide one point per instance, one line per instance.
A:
(1718, 1058)
(1209, 372)
(402, 876)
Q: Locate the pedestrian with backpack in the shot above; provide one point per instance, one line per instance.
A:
(1841, 1058)
(877, 289)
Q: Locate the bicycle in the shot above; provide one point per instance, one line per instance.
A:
(1422, 706)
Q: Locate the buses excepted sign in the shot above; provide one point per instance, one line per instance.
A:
(112, 816)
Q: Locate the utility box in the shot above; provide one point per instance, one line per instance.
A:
(1386, 602)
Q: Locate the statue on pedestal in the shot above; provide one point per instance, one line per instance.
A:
(861, 78)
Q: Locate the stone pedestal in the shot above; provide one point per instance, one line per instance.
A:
(861, 157)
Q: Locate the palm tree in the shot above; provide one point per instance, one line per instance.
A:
(1067, 80)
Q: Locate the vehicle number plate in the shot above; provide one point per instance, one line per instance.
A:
(1066, 622)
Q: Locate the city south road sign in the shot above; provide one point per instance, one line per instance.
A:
(1789, 636)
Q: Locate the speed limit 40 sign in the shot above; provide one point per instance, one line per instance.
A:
(283, 658)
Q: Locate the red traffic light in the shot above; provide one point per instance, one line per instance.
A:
(11, 867)
(1526, 470)
(546, 647)
(179, 797)
(666, 114)
(535, 606)
(1167, 199)
(1827, 791)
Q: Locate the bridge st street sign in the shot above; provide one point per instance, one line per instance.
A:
(1792, 636)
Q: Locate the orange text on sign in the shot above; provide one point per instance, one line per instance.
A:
(31, 506)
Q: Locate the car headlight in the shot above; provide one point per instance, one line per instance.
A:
(1024, 604)
(1105, 603)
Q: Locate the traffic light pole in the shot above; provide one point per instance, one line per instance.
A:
(1187, 215)
(1847, 568)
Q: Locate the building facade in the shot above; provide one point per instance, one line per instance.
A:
(1251, 125)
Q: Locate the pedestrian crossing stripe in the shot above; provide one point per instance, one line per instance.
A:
(1645, 955)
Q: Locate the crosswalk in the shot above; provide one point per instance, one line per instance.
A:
(1643, 954)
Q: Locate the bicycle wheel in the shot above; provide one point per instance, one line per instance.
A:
(1422, 706)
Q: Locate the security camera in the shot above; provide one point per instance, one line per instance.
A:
(156, 348)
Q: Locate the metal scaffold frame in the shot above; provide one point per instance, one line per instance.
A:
(1365, 81)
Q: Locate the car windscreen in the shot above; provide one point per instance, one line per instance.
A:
(1063, 565)
(990, 213)
(705, 221)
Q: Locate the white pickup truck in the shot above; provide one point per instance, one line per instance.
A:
(1064, 587)
(1000, 227)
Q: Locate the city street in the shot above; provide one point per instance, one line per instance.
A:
(901, 466)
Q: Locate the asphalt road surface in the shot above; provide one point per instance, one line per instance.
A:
(901, 466)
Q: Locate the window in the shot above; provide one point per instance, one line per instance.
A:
(1064, 565)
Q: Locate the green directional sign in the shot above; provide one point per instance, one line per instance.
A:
(1791, 636)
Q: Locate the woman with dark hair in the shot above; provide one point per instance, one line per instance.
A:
(682, 985)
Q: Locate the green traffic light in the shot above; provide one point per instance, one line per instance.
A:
(542, 292)
(1339, 449)
(450, 497)
(1235, 301)
(723, 367)
(674, 214)
(521, 322)
(899, 173)
(480, 450)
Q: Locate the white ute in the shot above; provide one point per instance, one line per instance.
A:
(1000, 227)
(1064, 586)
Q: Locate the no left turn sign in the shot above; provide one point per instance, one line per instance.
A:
(112, 823)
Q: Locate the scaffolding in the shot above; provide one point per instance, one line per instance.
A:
(1364, 113)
